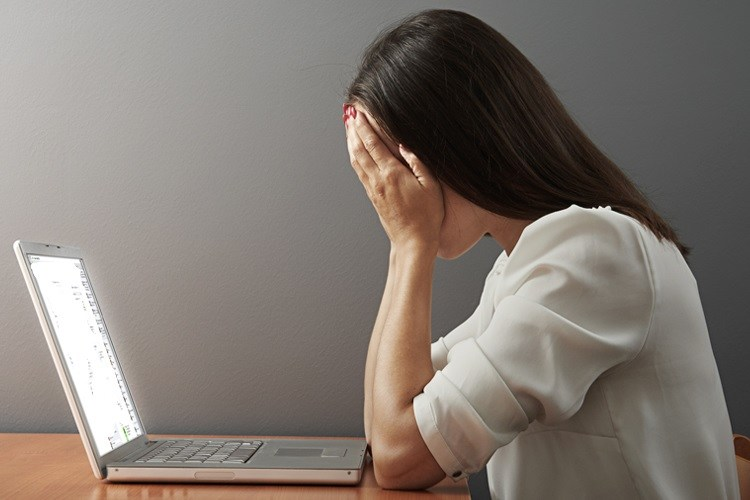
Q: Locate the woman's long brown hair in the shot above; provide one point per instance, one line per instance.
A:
(461, 97)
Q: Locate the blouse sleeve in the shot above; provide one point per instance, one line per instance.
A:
(576, 302)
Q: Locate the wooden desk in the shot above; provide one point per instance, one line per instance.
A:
(55, 466)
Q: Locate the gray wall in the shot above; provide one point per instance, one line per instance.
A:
(195, 151)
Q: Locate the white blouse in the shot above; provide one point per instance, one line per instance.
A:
(585, 372)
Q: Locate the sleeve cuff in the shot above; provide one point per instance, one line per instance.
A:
(426, 422)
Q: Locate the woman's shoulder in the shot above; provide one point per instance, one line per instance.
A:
(575, 223)
(588, 266)
(582, 232)
(598, 243)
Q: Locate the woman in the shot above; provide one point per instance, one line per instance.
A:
(586, 370)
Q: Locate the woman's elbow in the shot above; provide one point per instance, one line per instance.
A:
(391, 476)
(398, 469)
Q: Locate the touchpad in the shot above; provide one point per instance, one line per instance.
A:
(311, 452)
(299, 452)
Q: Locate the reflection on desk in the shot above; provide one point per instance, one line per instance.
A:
(55, 466)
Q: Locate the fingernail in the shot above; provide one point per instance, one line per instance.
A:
(353, 111)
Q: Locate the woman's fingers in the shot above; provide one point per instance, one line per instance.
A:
(369, 156)
(361, 150)
(375, 164)
(378, 152)
(352, 146)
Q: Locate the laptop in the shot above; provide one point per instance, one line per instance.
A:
(113, 434)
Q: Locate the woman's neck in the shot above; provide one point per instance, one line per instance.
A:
(506, 231)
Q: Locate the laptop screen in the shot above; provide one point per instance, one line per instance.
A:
(86, 350)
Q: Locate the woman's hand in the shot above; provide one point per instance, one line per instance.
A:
(407, 198)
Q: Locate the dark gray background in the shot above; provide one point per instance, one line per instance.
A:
(195, 151)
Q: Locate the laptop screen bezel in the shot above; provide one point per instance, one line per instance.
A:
(98, 463)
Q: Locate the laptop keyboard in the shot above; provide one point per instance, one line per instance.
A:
(202, 451)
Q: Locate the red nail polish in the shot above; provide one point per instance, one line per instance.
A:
(352, 111)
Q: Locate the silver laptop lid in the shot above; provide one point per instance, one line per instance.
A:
(86, 362)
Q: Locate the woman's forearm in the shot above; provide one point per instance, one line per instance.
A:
(403, 365)
(402, 369)
(372, 351)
